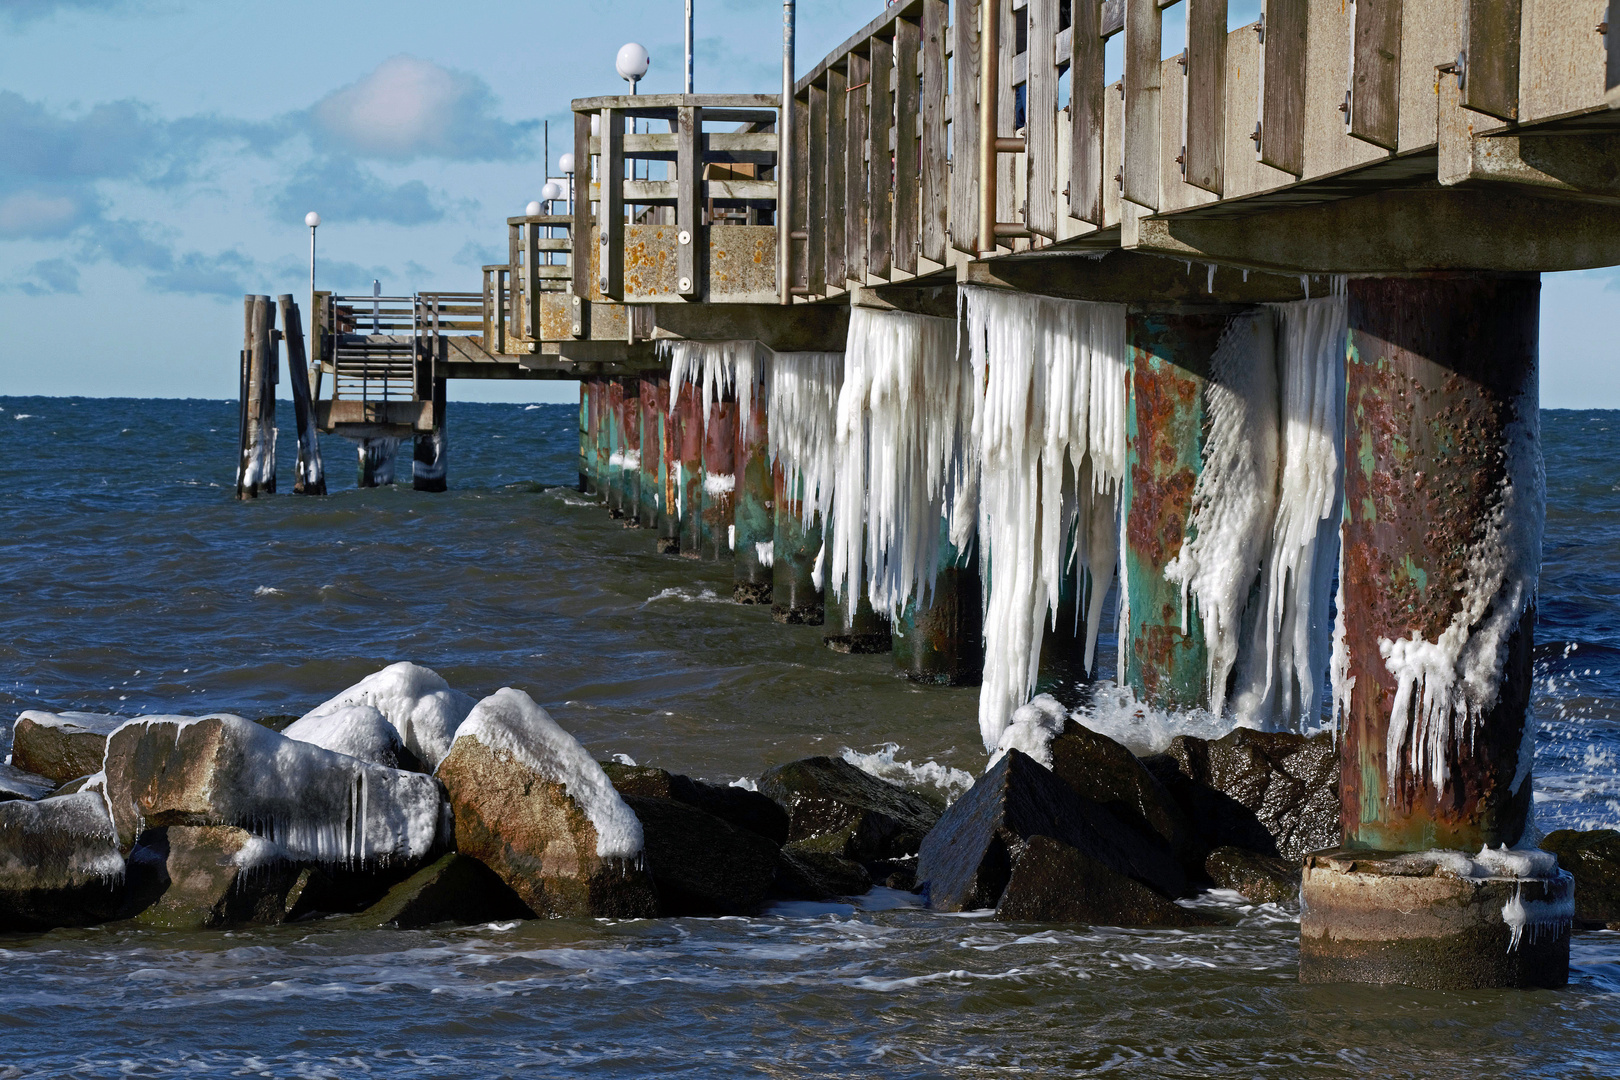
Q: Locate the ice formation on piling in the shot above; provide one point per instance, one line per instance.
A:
(904, 416)
(717, 368)
(1049, 433)
(378, 455)
(416, 700)
(510, 721)
(803, 410)
(1445, 688)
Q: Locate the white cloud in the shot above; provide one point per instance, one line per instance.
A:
(410, 108)
(37, 213)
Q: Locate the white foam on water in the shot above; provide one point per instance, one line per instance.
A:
(266, 590)
(884, 764)
(1034, 725)
(1146, 729)
(1049, 432)
(690, 596)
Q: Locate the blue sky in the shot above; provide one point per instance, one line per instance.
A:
(157, 158)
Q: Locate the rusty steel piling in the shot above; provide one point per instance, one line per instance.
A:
(630, 452)
(939, 638)
(755, 520)
(795, 595)
(719, 511)
(650, 484)
(691, 423)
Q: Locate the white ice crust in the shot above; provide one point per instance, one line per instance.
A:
(416, 700)
(510, 721)
(79, 830)
(1033, 727)
(73, 722)
(361, 731)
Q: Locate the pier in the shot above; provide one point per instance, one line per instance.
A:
(956, 341)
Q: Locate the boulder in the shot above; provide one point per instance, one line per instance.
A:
(319, 807)
(202, 877)
(18, 783)
(740, 807)
(1262, 879)
(1593, 860)
(453, 889)
(803, 874)
(1053, 882)
(341, 890)
(967, 859)
(359, 731)
(1273, 792)
(832, 806)
(534, 807)
(1102, 770)
(61, 746)
(700, 864)
(416, 700)
(59, 863)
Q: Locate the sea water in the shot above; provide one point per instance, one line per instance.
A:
(132, 582)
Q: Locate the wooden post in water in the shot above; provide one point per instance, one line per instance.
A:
(311, 474)
(256, 463)
(428, 471)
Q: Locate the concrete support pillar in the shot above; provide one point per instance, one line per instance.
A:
(377, 455)
(942, 642)
(650, 484)
(630, 452)
(613, 417)
(689, 410)
(1170, 353)
(1441, 547)
(719, 481)
(428, 467)
(756, 504)
(795, 595)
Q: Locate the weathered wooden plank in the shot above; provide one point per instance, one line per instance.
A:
(907, 181)
(1086, 115)
(1282, 85)
(610, 269)
(1008, 208)
(514, 259)
(837, 264)
(1204, 98)
(1112, 15)
(1490, 57)
(964, 219)
(1611, 53)
(815, 222)
(1041, 107)
(933, 152)
(799, 211)
(1375, 71)
(688, 198)
(880, 165)
(857, 195)
(1143, 29)
(531, 280)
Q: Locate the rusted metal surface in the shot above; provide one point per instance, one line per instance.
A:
(756, 504)
(650, 514)
(719, 480)
(1169, 356)
(1062, 671)
(630, 449)
(864, 631)
(1436, 370)
(795, 597)
(941, 642)
(650, 272)
(613, 422)
(587, 454)
(742, 264)
(669, 519)
(689, 409)
(601, 421)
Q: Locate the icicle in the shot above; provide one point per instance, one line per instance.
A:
(802, 412)
(1209, 284)
(718, 368)
(1049, 431)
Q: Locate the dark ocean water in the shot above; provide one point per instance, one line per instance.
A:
(132, 582)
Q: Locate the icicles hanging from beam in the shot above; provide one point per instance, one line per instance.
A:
(903, 420)
(803, 410)
(1049, 430)
(718, 368)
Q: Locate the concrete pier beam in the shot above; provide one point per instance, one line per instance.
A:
(719, 511)
(650, 484)
(796, 596)
(940, 640)
(1443, 512)
(1165, 659)
(755, 520)
(690, 426)
(428, 465)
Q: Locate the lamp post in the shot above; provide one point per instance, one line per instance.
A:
(565, 165)
(632, 64)
(689, 46)
(313, 220)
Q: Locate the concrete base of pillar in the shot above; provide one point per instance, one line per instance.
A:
(669, 545)
(751, 592)
(807, 615)
(868, 632)
(1436, 920)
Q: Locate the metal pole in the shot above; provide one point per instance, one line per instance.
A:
(689, 47)
(314, 319)
(784, 161)
(376, 302)
(989, 77)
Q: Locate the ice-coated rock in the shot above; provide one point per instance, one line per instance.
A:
(1104, 771)
(835, 807)
(201, 877)
(316, 805)
(700, 863)
(967, 859)
(1053, 882)
(361, 731)
(1261, 879)
(534, 807)
(61, 746)
(59, 863)
(18, 783)
(416, 700)
(740, 807)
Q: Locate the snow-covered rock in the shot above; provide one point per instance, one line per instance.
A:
(416, 700)
(18, 783)
(316, 805)
(533, 806)
(59, 863)
(61, 746)
(361, 731)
